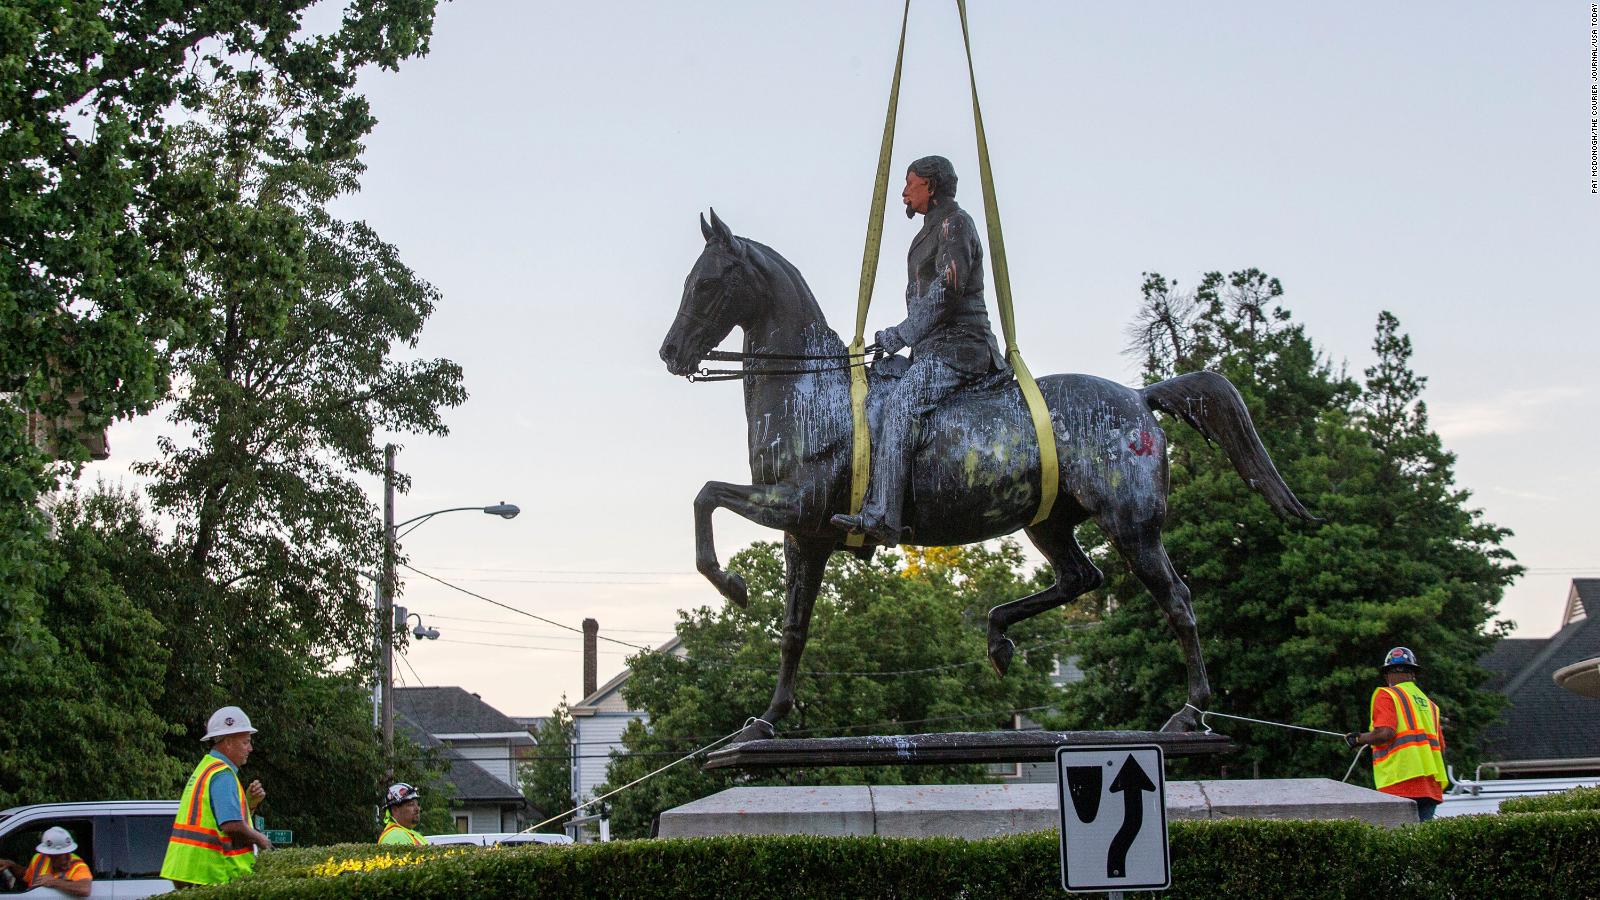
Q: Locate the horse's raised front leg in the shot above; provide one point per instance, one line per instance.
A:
(774, 506)
(803, 564)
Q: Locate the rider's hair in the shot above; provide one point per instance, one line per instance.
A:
(937, 170)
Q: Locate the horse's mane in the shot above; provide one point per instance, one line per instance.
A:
(782, 275)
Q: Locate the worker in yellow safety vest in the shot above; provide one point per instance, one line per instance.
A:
(54, 865)
(402, 809)
(1407, 746)
(212, 839)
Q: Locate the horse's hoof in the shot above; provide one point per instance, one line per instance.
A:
(1182, 721)
(757, 730)
(1001, 649)
(733, 587)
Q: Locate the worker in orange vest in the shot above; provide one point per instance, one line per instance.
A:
(1407, 746)
(54, 865)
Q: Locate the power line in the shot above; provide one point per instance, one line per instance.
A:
(413, 670)
(526, 647)
(719, 664)
(520, 612)
(679, 573)
(451, 618)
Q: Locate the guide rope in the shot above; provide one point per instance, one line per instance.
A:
(643, 778)
(1206, 713)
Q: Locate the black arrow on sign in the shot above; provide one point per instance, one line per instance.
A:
(1132, 782)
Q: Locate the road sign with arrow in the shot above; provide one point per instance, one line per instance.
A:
(1113, 818)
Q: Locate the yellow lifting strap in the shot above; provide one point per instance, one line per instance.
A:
(1049, 465)
(861, 458)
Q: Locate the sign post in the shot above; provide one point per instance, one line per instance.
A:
(1113, 806)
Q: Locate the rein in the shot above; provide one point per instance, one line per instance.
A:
(853, 360)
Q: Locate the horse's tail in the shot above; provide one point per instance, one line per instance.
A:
(1212, 405)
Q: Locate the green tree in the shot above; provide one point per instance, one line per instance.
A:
(897, 646)
(83, 718)
(1294, 617)
(290, 371)
(92, 269)
(547, 779)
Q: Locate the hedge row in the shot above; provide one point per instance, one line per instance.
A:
(1540, 854)
(1575, 799)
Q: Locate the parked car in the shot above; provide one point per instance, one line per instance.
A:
(500, 839)
(123, 841)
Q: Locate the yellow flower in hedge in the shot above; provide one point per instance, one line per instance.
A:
(363, 865)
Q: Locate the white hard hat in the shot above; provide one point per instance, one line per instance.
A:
(56, 840)
(228, 720)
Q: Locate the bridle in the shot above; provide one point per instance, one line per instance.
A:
(851, 360)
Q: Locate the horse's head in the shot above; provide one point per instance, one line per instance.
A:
(717, 295)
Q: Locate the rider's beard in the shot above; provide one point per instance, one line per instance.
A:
(910, 213)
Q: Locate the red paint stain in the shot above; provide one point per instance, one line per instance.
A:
(1144, 446)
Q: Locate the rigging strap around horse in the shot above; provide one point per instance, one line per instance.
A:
(1049, 466)
(861, 440)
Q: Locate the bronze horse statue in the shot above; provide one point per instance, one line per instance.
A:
(976, 471)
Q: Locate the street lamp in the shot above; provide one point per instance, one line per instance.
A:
(420, 632)
(388, 622)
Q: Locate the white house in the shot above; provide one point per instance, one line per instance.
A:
(599, 720)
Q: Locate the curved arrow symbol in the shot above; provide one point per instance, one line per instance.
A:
(1132, 782)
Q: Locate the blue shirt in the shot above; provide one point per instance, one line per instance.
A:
(225, 792)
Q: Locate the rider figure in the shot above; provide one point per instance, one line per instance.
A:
(947, 329)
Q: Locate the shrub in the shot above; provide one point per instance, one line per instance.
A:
(1576, 799)
(1545, 854)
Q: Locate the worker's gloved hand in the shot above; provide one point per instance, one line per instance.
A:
(1352, 739)
(889, 339)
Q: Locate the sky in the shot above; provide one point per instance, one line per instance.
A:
(545, 164)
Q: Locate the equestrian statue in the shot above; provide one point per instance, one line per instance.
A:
(955, 455)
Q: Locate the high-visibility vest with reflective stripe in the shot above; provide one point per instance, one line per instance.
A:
(198, 851)
(395, 833)
(1416, 749)
(77, 869)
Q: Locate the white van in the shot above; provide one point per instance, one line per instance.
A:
(123, 841)
(499, 839)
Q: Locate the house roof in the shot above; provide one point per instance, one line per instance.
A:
(615, 684)
(472, 783)
(1544, 721)
(452, 710)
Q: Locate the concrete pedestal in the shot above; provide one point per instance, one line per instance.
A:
(987, 810)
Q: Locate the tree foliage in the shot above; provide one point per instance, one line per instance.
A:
(897, 646)
(547, 779)
(1293, 617)
(211, 257)
(86, 694)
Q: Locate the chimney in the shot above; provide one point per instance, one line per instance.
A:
(591, 680)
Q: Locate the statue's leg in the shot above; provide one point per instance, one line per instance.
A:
(804, 563)
(925, 385)
(1141, 546)
(774, 506)
(1075, 574)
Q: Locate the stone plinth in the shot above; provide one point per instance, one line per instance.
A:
(987, 810)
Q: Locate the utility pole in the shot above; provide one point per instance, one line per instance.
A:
(386, 610)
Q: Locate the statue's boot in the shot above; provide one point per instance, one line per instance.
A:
(876, 529)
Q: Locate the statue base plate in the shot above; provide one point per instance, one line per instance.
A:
(948, 747)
